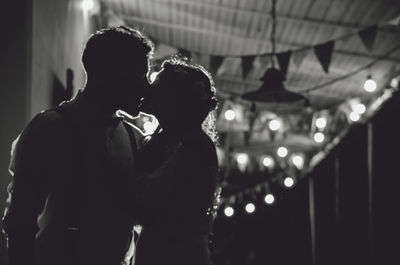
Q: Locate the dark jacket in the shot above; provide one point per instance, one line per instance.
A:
(68, 199)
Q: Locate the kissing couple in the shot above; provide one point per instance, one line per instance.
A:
(83, 177)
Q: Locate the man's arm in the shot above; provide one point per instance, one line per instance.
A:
(31, 159)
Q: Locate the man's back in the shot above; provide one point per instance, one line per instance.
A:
(66, 163)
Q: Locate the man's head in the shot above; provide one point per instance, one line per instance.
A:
(116, 63)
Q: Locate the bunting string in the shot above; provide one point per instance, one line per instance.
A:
(395, 48)
(334, 80)
(363, 32)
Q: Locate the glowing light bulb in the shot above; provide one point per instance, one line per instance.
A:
(360, 108)
(320, 122)
(274, 125)
(319, 137)
(370, 85)
(153, 76)
(269, 199)
(87, 5)
(242, 158)
(229, 211)
(230, 115)
(149, 126)
(354, 116)
(298, 161)
(288, 182)
(250, 207)
(394, 83)
(268, 161)
(282, 151)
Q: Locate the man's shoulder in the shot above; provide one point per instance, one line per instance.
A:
(44, 130)
(48, 116)
(50, 121)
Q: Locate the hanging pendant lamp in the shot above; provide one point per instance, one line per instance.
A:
(272, 89)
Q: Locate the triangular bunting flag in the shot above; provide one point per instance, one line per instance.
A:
(368, 36)
(247, 65)
(394, 21)
(298, 56)
(215, 63)
(185, 53)
(283, 61)
(324, 54)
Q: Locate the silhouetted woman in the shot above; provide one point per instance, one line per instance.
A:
(179, 165)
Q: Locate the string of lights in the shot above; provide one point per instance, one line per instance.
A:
(228, 203)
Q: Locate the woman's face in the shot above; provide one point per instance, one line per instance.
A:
(163, 101)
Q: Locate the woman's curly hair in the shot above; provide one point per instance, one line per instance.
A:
(196, 87)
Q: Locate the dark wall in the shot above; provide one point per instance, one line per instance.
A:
(386, 195)
(350, 229)
(16, 21)
(40, 40)
(60, 31)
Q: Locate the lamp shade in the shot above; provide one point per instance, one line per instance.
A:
(272, 89)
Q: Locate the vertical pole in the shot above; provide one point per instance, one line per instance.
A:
(337, 210)
(311, 206)
(370, 183)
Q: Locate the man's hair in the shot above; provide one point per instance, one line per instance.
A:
(115, 48)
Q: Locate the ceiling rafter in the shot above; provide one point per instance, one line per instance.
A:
(206, 31)
(296, 19)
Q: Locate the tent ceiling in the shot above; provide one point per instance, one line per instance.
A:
(242, 27)
(234, 28)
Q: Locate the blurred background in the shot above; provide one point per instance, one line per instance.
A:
(307, 122)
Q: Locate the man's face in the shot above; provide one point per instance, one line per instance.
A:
(132, 86)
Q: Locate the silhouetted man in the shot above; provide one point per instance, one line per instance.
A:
(73, 166)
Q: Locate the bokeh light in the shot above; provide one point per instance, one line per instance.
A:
(274, 125)
(319, 137)
(298, 161)
(288, 182)
(269, 199)
(320, 122)
(250, 207)
(229, 211)
(242, 158)
(87, 5)
(282, 151)
(268, 161)
(354, 116)
(230, 115)
(370, 85)
(360, 108)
